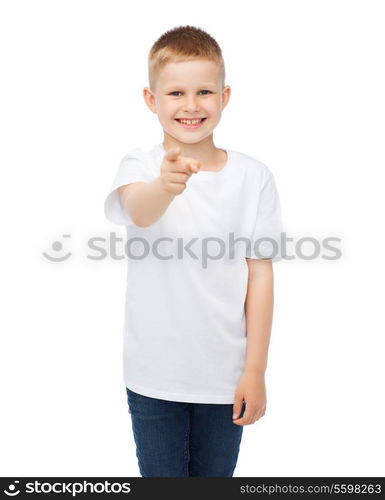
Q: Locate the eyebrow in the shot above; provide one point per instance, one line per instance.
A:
(176, 85)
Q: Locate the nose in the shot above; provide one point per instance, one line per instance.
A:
(191, 104)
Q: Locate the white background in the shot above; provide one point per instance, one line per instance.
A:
(308, 83)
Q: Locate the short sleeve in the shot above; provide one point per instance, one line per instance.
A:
(266, 238)
(133, 168)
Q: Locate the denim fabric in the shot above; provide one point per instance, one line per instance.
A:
(175, 439)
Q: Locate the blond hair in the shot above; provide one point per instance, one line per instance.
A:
(183, 43)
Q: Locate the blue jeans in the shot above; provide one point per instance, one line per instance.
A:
(176, 439)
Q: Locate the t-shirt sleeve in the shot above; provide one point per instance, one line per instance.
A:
(132, 168)
(267, 228)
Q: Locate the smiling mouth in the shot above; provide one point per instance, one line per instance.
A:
(192, 123)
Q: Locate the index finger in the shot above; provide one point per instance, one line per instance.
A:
(173, 153)
(193, 165)
(185, 165)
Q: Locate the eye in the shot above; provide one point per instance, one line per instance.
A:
(175, 92)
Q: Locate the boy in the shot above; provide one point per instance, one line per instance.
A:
(197, 321)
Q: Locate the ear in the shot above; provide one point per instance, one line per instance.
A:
(149, 99)
(226, 92)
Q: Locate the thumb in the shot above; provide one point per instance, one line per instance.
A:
(237, 407)
(173, 153)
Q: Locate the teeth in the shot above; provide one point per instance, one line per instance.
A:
(191, 122)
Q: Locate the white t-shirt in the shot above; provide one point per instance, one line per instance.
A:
(185, 326)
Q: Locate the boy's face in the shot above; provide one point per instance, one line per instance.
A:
(188, 90)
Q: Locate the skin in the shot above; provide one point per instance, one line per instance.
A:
(185, 90)
(194, 89)
(259, 306)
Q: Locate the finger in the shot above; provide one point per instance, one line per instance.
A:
(190, 165)
(177, 177)
(173, 153)
(256, 414)
(237, 408)
(185, 165)
(242, 421)
(260, 414)
(194, 166)
(178, 167)
(247, 417)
